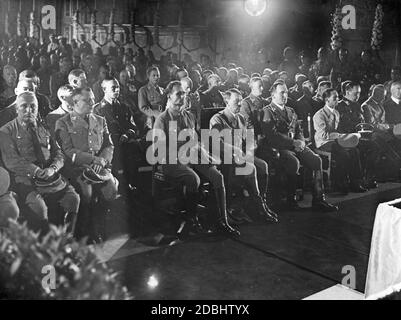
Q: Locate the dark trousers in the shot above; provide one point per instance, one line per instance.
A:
(348, 164)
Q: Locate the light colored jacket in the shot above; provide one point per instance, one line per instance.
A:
(325, 123)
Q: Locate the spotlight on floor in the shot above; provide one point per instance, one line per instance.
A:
(255, 7)
(153, 282)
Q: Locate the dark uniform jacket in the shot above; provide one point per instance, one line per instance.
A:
(280, 127)
(119, 119)
(211, 99)
(251, 109)
(18, 152)
(82, 141)
(303, 109)
(350, 116)
(373, 112)
(393, 111)
(225, 120)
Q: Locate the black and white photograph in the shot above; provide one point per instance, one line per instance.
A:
(199, 156)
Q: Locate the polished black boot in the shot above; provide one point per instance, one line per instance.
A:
(262, 208)
(98, 222)
(292, 203)
(223, 224)
(70, 220)
(319, 202)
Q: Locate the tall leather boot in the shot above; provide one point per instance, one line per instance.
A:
(291, 189)
(263, 181)
(70, 220)
(318, 198)
(83, 224)
(261, 206)
(98, 221)
(191, 204)
(222, 213)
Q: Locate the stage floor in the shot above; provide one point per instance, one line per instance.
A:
(304, 254)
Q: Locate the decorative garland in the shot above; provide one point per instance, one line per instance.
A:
(19, 25)
(336, 39)
(377, 32)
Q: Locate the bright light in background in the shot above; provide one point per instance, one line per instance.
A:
(255, 7)
(153, 282)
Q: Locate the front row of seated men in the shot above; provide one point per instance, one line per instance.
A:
(80, 153)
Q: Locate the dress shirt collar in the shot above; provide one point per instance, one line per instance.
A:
(109, 101)
(282, 108)
(330, 109)
(397, 101)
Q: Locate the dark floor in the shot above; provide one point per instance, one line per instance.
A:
(303, 254)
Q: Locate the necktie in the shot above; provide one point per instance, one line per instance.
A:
(37, 148)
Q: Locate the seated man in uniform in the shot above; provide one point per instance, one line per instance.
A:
(176, 118)
(64, 94)
(392, 105)
(84, 137)
(122, 128)
(44, 103)
(351, 116)
(212, 98)
(231, 120)
(150, 99)
(317, 99)
(10, 113)
(348, 164)
(30, 153)
(281, 131)
(77, 79)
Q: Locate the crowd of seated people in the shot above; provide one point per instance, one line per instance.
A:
(74, 122)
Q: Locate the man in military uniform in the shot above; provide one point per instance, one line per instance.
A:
(317, 99)
(84, 137)
(281, 131)
(296, 91)
(64, 94)
(304, 108)
(59, 78)
(251, 110)
(123, 130)
(211, 98)
(150, 99)
(186, 174)
(30, 153)
(231, 120)
(350, 117)
(24, 85)
(252, 106)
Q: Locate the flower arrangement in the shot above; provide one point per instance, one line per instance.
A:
(336, 39)
(78, 274)
(377, 32)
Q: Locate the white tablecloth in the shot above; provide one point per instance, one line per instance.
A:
(384, 270)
